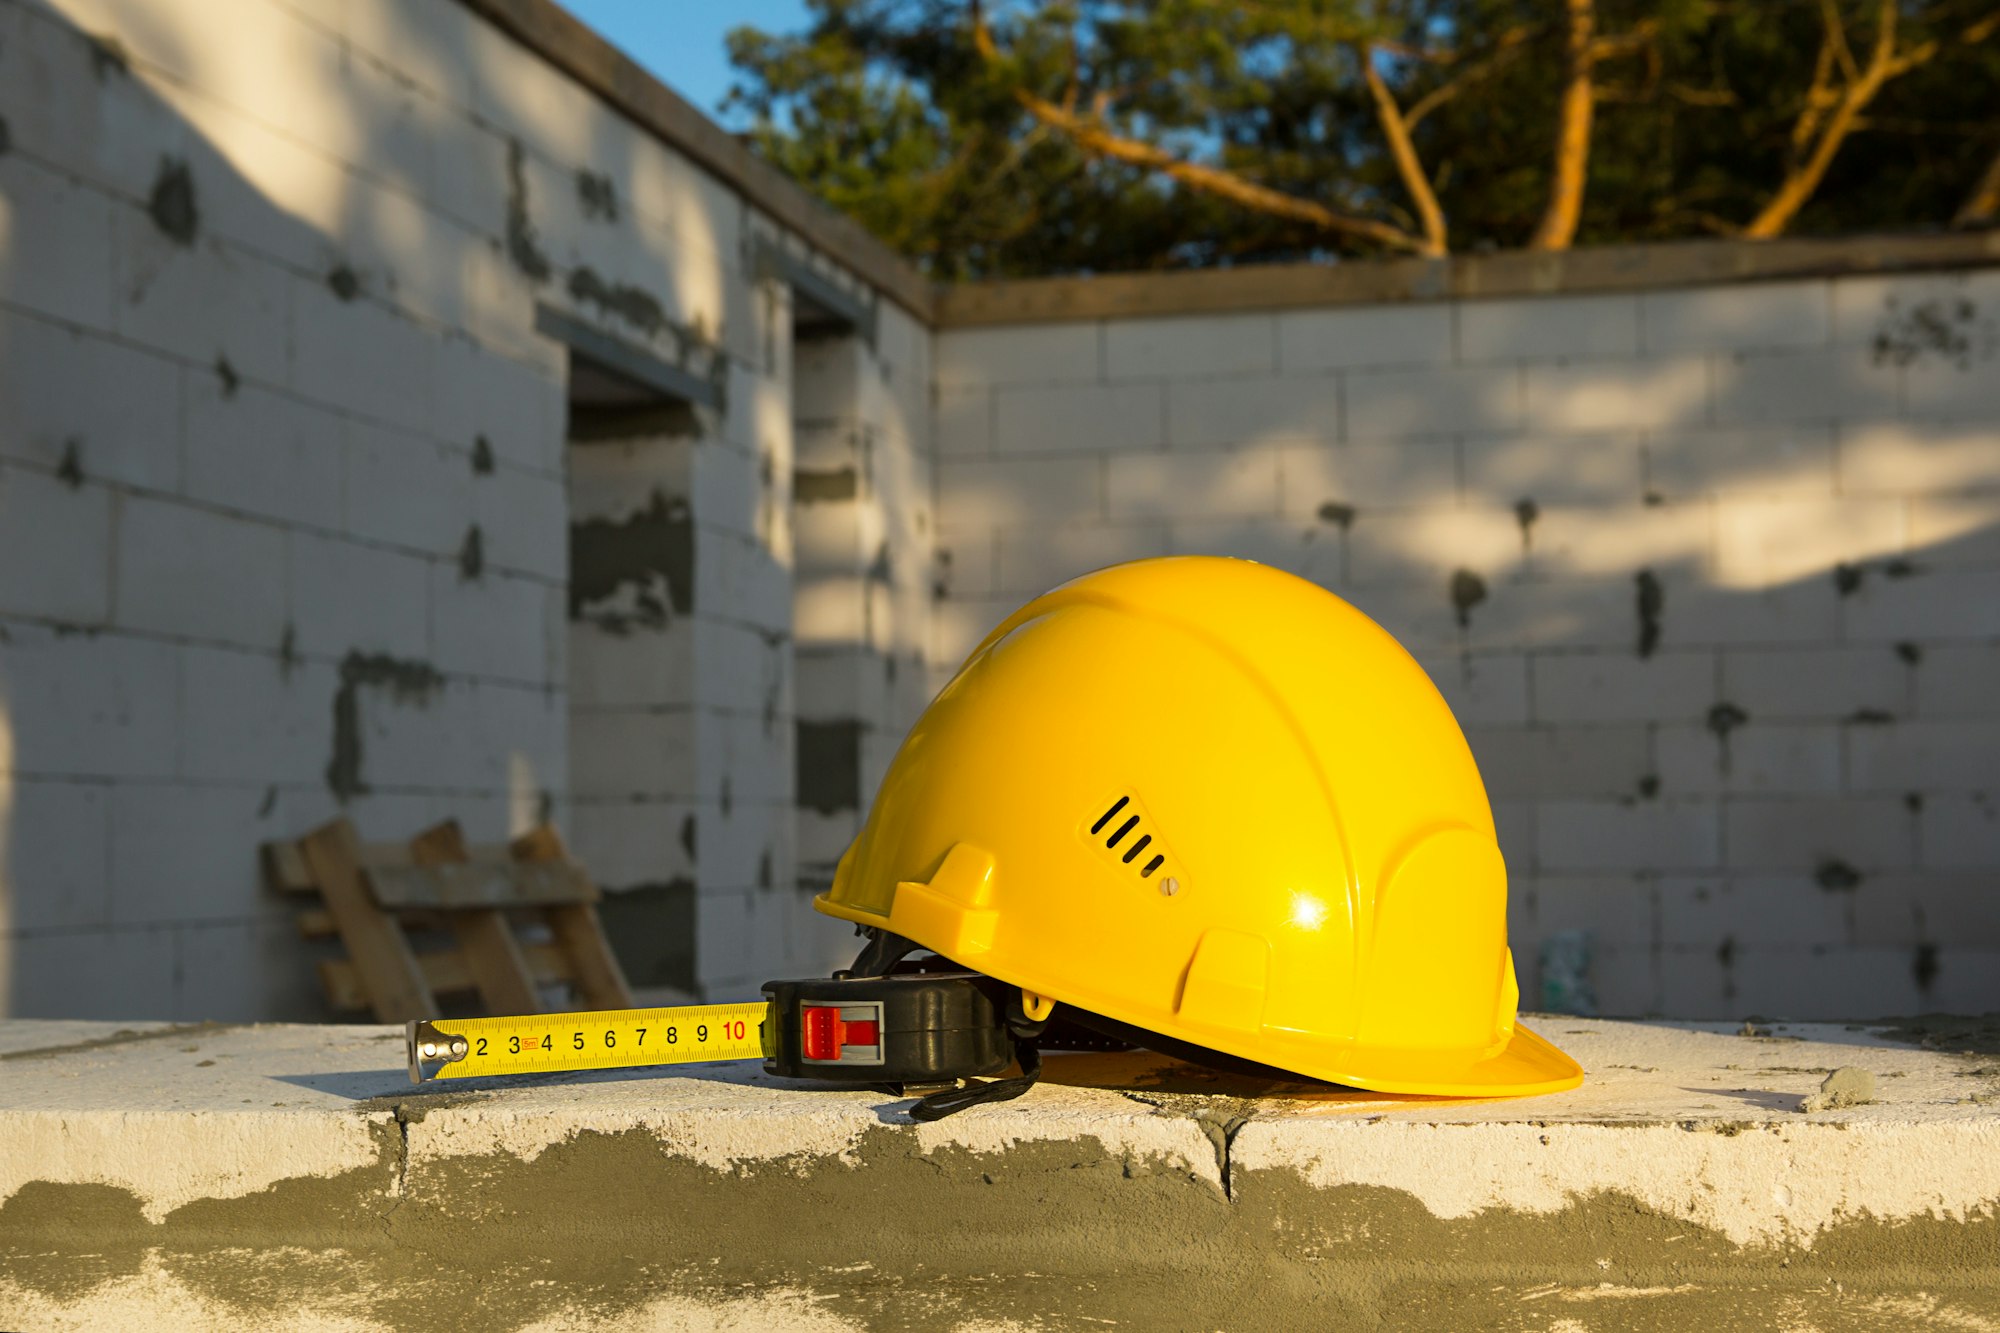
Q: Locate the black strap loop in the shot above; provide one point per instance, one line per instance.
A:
(953, 1100)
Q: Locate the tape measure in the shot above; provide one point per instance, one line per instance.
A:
(909, 1030)
(597, 1039)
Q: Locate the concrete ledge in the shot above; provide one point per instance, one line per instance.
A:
(243, 1177)
(1588, 269)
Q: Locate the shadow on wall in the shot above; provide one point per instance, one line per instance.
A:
(1732, 688)
(282, 528)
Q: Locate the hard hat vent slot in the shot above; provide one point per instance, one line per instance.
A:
(1109, 832)
(1108, 815)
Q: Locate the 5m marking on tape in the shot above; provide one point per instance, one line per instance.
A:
(598, 1039)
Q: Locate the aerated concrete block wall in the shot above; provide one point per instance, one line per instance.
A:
(1711, 577)
(284, 529)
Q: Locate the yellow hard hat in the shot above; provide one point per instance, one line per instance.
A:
(1206, 799)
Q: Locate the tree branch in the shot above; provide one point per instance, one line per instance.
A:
(1408, 165)
(1573, 118)
(1094, 135)
(1982, 206)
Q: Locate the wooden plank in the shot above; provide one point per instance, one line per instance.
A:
(285, 867)
(391, 979)
(457, 887)
(491, 954)
(446, 973)
(316, 923)
(578, 931)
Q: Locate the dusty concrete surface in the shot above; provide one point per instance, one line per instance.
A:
(259, 1177)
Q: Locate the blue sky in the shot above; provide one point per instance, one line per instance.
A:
(680, 41)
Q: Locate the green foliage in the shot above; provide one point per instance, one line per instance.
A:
(889, 111)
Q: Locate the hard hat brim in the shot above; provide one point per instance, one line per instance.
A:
(1529, 1065)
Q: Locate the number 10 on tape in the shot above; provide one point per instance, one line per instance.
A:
(600, 1039)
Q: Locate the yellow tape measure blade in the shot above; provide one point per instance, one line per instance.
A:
(597, 1039)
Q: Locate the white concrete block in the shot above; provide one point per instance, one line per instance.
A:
(754, 755)
(1211, 482)
(1771, 759)
(1787, 460)
(1879, 308)
(1837, 384)
(67, 227)
(633, 755)
(263, 454)
(722, 943)
(1958, 680)
(405, 490)
(742, 669)
(1583, 470)
(346, 597)
(55, 547)
(1953, 389)
(631, 843)
(362, 356)
(113, 975)
(496, 626)
(1565, 613)
(1628, 835)
(1817, 682)
(738, 580)
(996, 493)
(1484, 689)
(188, 853)
(1698, 613)
(1078, 418)
(1583, 396)
(1960, 833)
(208, 301)
(1033, 560)
(1568, 761)
(1390, 404)
(103, 705)
(1785, 911)
(1253, 412)
(1616, 910)
(1749, 317)
(1919, 907)
(1962, 755)
(1197, 346)
(1066, 353)
(1934, 604)
(1814, 833)
(53, 868)
(1619, 539)
(1429, 546)
(517, 409)
(966, 564)
(1773, 541)
(1623, 687)
(523, 522)
(1918, 457)
(645, 666)
(1956, 531)
(1416, 334)
(119, 407)
(192, 571)
(1367, 477)
(964, 421)
(251, 718)
(1548, 327)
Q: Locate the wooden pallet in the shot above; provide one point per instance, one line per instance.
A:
(372, 895)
